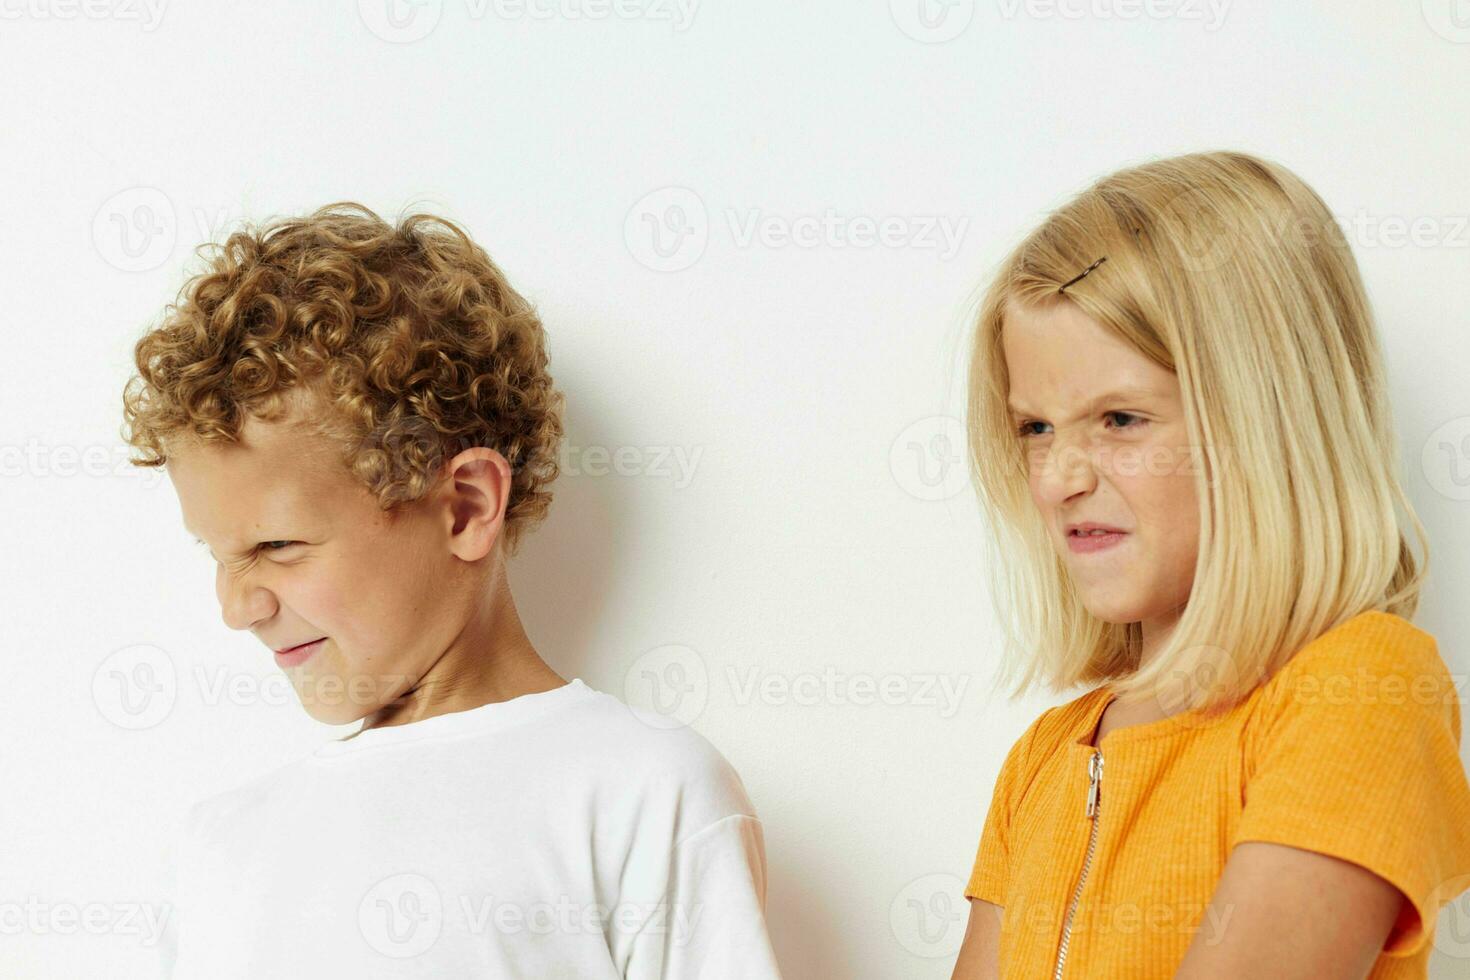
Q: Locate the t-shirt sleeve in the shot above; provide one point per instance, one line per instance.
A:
(1355, 754)
(990, 876)
(711, 925)
(166, 949)
(166, 939)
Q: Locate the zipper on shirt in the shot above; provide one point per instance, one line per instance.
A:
(1094, 784)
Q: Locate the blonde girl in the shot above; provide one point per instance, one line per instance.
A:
(1181, 437)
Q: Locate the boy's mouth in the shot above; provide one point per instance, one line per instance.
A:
(291, 656)
(297, 646)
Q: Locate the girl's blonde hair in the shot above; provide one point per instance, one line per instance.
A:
(1231, 272)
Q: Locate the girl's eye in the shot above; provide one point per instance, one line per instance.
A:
(1024, 430)
(1127, 415)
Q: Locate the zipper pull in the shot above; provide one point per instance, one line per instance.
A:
(1094, 772)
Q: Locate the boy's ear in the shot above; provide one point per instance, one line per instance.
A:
(477, 491)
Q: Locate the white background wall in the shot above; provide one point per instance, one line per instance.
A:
(825, 528)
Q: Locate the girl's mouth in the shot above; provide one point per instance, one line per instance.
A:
(1088, 543)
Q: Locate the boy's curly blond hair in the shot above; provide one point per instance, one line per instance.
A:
(409, 341)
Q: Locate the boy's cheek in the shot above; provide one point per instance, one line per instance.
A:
(319, 599)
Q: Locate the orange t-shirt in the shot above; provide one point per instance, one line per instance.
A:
(1351, 749)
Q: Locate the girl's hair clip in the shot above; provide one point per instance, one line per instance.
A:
(1084, 272)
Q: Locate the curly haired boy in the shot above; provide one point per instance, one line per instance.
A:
(359, 424)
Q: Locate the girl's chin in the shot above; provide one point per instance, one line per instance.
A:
(1113, 611)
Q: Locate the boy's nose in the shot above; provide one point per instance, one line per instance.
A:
(242, 603)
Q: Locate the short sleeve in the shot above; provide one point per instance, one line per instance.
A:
(1354, 753)
(166, 948)
(990, 876)
(712, 923)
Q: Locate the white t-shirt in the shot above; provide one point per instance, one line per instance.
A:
(556, 835)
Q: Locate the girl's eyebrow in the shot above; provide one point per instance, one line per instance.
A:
(1118, 394)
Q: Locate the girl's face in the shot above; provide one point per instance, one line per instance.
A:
(1103, 431)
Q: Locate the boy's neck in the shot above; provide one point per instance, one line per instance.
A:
(491, 660)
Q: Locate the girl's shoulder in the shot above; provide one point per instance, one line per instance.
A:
(1353, 751)
(1368, 657)
(1372, 676)
(1072, 719)
(1051, 732)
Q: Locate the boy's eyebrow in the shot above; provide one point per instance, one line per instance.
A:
(209, 549)
(199, 540)
(284, 519)
(1117, 394)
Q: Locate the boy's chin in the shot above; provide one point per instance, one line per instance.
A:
(340, 714)
(330, 705)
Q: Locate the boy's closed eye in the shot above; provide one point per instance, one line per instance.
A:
(274, 546)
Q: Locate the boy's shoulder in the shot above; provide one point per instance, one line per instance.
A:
(593, 743)
(646, 752)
